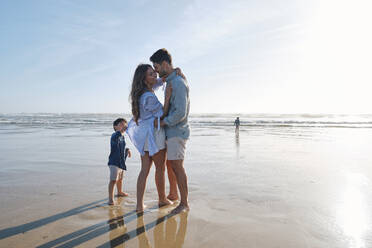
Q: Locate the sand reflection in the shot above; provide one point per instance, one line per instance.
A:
(116, 225)
(237, 144)
(352, 213)
(167, 233)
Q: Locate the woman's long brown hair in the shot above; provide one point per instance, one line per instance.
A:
(138, 88)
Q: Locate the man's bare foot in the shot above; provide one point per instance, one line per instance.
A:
(172, 197)
(122, 194)
(180, 208)
(164, 202)
(140, 209)
(111, 202)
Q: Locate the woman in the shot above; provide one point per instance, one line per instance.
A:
(150, 142)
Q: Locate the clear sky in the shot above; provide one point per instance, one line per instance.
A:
(289, 56)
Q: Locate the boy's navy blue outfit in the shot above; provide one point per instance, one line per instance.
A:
(118, 153)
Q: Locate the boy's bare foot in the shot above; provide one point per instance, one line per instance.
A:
(111, 202)
(121, 194)
(140, 209)
(172, 197)
(164, 202)
(180, 208)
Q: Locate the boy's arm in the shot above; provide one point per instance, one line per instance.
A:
(114, 141)
(127, 153)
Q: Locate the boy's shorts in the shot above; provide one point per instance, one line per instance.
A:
(115, 172)
(176, 147)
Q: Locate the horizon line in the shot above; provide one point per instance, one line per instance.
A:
(195, 113)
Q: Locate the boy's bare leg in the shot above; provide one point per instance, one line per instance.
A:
(141, 181)
(119, 185)
(111, 192)
(178, 169)
(173, 192)
(159, 161)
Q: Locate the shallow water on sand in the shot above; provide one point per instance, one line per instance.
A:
(280, 183)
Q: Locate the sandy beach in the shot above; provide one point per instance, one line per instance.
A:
(303, 182)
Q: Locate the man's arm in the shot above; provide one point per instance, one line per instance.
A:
(168, 94)
(180, 103)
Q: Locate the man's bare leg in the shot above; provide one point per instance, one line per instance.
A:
(173, 192)
(159, 161)
(178, 169)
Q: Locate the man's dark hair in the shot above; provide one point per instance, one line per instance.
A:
(161, 55)
(117, 121)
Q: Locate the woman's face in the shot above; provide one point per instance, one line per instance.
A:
(150, 77)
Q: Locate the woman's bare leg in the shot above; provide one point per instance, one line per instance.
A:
(159, 161)
(141, 181)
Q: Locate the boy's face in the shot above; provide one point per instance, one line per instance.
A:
(122, 126)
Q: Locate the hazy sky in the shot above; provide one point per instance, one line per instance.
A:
(289, 56)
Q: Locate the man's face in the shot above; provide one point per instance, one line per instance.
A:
(159, 68)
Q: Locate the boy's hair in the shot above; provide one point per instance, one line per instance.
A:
(117, 121)
(161, 55)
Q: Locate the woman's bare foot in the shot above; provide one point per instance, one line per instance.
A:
(172, 197)
(111, 202)
(122, 194)
(180, 208)
(164, 202)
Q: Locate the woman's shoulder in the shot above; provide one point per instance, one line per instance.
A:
(148, 96)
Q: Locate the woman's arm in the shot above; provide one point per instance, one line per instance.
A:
(179, 73)
(159, 82)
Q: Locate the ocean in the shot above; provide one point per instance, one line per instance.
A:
(50, 120)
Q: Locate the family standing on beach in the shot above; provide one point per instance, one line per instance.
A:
(158, 132)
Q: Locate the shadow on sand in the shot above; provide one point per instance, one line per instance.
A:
(115, 226)
(11, 231)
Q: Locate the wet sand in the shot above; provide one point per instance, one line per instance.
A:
(272, 187)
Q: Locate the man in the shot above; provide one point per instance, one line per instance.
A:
(176, 125)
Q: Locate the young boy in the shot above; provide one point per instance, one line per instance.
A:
(117, 159)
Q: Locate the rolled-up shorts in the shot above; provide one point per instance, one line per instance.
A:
(115, 173)
(159, 136)
(176, 148)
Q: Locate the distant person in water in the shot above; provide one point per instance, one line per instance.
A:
(237, 124)
(175, 123)
(117, 157)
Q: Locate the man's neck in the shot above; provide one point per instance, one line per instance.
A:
(169, 71)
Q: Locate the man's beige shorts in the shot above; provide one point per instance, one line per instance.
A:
(176, 148)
